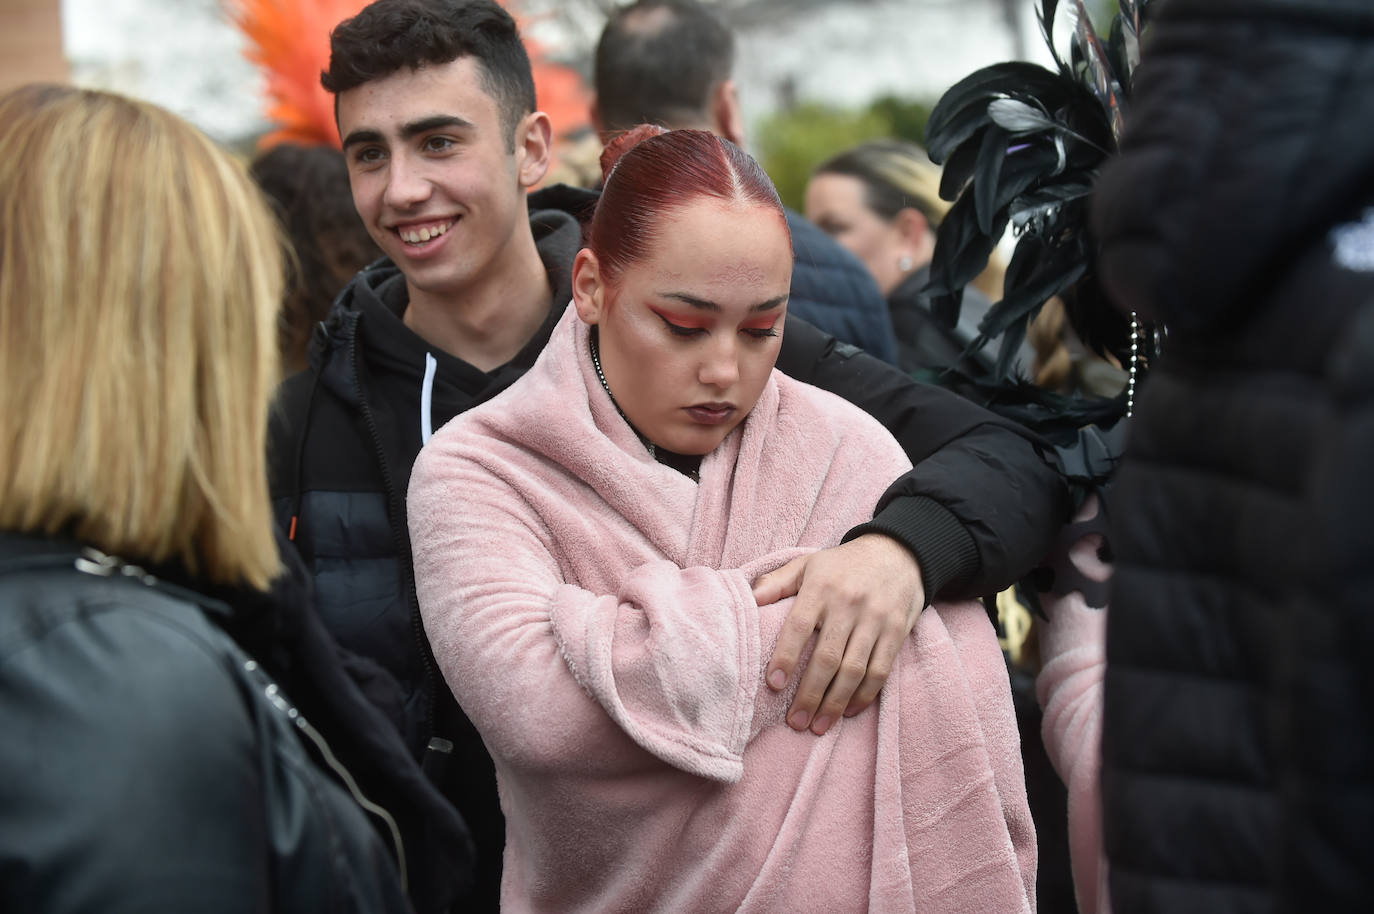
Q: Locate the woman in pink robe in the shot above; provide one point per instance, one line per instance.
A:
(584, 550)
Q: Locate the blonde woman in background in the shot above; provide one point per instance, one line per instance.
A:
(149, 763)
(881, 200)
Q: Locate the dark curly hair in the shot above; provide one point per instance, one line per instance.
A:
(308, 189)
(389, 35)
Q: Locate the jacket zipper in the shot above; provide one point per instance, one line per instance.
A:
(401, 539)
(278, 701)
(99, 564)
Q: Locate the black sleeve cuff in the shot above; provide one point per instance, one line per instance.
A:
(945, 550)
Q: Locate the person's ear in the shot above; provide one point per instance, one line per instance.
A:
(913, 226)
(917, 237)
(588, 288)
(725, 112)
(533, 147)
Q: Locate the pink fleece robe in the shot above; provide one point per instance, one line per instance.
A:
(591, 610)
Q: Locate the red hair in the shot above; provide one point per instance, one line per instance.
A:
(649, 171)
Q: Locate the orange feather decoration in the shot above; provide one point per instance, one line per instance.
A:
(288, 40)
(562, 93)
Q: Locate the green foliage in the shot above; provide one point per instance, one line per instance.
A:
(907, 117)
(792, 143)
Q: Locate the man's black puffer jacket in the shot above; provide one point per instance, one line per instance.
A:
(1238, 759)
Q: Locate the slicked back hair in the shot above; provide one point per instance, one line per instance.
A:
(391, 35)
(649, 172)
(658, 61)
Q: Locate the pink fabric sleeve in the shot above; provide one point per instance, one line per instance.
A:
(1069, 687)
(674, 658)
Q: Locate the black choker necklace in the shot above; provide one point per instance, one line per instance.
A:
(693, 473)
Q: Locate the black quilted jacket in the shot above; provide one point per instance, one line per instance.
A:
(1238, 752)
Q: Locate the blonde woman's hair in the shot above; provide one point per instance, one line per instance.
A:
(898, 175)
(1053, 364)
(140, 277)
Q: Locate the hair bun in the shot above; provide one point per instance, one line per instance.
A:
(623, 143)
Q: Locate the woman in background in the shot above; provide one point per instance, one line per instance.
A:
(881, 200)
(150, 763)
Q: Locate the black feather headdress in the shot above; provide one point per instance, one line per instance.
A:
(1021, 146)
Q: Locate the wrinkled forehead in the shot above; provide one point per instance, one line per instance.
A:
(725, 274)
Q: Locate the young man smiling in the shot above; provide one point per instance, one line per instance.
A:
(436, 106)
(439, 166)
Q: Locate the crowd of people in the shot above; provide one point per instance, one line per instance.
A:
(386, 529)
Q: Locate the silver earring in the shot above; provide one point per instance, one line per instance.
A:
(905, 263)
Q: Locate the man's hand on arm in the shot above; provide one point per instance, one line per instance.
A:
(980, 507)
(864, 597)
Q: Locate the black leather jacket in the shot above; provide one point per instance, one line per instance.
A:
(149, 764)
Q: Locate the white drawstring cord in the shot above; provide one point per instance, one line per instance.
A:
(427, 399)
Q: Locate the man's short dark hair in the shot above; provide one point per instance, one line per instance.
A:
(390, 35)
(657, 63)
